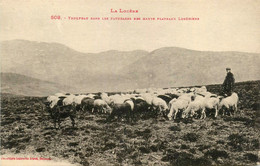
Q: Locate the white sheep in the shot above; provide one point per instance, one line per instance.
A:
(158, 103)
(69, 100)
(198, 104)
(131, 103)
(179, 104)
(51, 98)
(229, 102)
(77, 99)
(212, 102)
(117, 99)
(60, 94)
(148, 97)
(54, 102)
(101, 105)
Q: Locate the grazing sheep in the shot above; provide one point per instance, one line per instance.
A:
(119, 110)
(117, 99)
(54, 101)
(59, 94)
(212, 102)
(179, 104)
(140, 105)
(201, 89)
(87, 104)
(166, 98)
(198, 104)
(68, 100)
(101, 106)
(51, 98)
(58, 111)
(229, 102)
(159, 104)
(77, 102)
(131, 103)
(148, 97)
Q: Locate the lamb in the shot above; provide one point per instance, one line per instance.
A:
(229, 102)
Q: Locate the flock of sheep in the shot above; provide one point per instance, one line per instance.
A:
(170, 103)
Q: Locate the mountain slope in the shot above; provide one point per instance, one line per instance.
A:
(23, 85)
(173, 66)
(58, 63)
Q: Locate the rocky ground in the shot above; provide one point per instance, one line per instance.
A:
(27, 129)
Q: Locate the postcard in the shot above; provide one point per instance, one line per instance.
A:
(110, 82)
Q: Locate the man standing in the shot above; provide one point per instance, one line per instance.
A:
(228, 84)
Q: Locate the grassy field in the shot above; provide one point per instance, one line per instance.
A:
(27, 129)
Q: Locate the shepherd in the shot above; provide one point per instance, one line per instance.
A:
(228, 84)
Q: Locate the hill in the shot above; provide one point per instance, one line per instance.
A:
(17, 84)
(174, 66)
(58, 63)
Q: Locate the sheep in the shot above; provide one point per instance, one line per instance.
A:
(212, 102)
(166, 98)
(68, 100)
(59, 94)
(91, 96)
(57, 111)
(131, 103)
(77, 101)
(121, 109)
(198, 104)
(54, 101)
(117, 99)
(105, 97)
(229, 102)
(148, 97)
(87, 104)
(159, 104)
(51, 98)
(101, 105)
(179, 104)
(201, 89)
(140, 106)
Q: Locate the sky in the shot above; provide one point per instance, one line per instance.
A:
(231, 25)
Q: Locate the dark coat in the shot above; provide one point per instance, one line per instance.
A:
(228, 84)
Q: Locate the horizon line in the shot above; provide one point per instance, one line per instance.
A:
(124, 50)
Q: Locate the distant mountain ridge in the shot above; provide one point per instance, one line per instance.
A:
(120, 70)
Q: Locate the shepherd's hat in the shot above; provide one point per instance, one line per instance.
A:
(228, 68)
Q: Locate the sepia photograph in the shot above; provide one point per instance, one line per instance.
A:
(112, 82)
